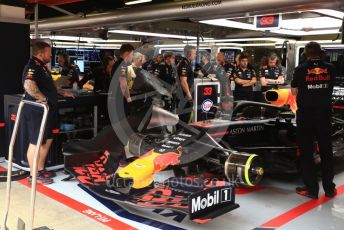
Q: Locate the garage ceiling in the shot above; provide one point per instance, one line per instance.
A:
(79, 7)
(50, 9)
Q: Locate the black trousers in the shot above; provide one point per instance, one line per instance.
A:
(315, 125)
(243, 95)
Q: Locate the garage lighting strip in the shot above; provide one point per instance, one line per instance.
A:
(332, 13)
(321, 42)
(245, 45)
(174, 45)
(238, 40)
(83, 39)
(85, 45)
(128, 3)
(204, 46)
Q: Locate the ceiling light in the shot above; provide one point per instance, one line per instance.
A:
(171, 46)
(136, 2)
(149, 34)
(305, 33)
(229, 23)
(116, 41)
(238, 40)
(83, 39)
(311, 23)
(332, 13)
(85, 45)
(245, 45)
(338, 41)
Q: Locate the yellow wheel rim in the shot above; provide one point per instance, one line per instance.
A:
(247, 166)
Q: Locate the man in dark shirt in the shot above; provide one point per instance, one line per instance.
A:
(67, 69)
(166, 71)
(39, 86)
(244, 78)
(103, 74)
(272, 74)
(151, 65)
(119, 89)
(313, 85)
(223, 71)
(186, 83)
(206, 66)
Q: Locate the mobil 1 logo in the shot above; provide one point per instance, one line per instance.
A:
(211, 202)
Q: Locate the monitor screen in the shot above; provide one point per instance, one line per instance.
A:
(81, 65)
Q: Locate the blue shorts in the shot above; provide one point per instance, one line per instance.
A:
(31, 122)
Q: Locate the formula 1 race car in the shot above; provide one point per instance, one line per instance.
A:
(103, 165)
(204, 160)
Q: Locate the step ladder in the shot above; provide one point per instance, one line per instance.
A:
(21, 224)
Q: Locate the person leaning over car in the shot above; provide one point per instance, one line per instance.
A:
(313, 85)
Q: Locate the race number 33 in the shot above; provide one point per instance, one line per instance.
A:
(207, 91)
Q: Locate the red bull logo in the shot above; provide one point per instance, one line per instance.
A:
(162, 160)
(166, 159)
(317, 71)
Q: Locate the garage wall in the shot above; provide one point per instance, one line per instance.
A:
(14, 54)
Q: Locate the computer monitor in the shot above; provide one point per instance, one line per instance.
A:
(81, 65)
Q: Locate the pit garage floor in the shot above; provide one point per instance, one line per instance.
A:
(272, 205)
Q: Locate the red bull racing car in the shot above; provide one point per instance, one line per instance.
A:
(204, 160)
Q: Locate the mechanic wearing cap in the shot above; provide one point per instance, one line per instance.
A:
(244, 78)
(39, 86)
(313, 84)
(186, 82)
(272, 74)
(166, 72)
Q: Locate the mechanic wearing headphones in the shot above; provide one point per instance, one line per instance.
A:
(69, 70)
(313, 84)
(186, 80)
(244, 78)
(271, 74)
(39, 86)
